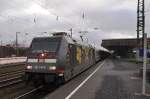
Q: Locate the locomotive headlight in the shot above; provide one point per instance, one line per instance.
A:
(52, 68)
(29, 67)
(61, 74)
(42, 54)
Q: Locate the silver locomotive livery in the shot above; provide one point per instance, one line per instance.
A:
(58, 58)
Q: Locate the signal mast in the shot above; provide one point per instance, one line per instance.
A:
(140, 22)
(140, 25)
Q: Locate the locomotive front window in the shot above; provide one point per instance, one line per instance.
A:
(45, 45)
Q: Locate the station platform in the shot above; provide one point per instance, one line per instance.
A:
(12, 60)
(111, 79)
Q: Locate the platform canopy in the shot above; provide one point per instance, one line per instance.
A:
(122, 47)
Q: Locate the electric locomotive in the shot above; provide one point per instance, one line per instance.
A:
(57, 59)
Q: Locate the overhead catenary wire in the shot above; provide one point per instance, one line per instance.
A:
(147, 15)
(56, 15)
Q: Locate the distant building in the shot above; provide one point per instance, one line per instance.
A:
(8, 51)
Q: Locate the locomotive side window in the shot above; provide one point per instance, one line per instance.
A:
(73, 54)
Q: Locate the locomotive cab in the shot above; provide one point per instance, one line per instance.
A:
(45, 55)
(58, 58)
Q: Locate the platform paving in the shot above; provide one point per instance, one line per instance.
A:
(117, 79)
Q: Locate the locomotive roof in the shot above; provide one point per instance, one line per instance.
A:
(46, 38)
(68, 38)
(77, 42)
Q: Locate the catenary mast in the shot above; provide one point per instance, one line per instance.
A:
(140, 24)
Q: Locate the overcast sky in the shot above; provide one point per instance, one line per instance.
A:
(113, 18)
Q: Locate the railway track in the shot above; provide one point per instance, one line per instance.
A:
(11, 78)
(11, 81)
(10, 68)
(11, 74)
(29, 92)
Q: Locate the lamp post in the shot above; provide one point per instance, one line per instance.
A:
(1, 42)
(25, 40)
(17, 50)
(1, 49)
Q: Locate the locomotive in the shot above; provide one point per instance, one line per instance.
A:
(58, 58)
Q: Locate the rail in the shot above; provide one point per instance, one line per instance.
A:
(11, 81)
(11, 78)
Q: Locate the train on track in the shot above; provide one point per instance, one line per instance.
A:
(59, 58)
